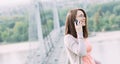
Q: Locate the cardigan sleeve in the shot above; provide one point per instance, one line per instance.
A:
(77, 47)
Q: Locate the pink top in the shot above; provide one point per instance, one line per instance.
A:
(88, 59)
(74, 51)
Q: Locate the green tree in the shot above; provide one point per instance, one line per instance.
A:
(116, 10)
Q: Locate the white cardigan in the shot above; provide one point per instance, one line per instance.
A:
(75, 49)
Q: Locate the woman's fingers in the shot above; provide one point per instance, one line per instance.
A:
(78, 27)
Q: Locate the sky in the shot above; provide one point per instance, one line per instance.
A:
(7, 3)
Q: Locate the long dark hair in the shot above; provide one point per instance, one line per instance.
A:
(69, 25)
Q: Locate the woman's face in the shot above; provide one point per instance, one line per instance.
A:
(80, 17)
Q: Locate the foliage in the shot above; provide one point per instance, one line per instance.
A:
(13, 29)
(104, 17)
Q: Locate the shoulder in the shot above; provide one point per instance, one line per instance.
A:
(68, 38)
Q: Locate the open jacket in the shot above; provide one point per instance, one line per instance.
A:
(78, 50)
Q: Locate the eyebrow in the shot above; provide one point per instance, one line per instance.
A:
(81, 14)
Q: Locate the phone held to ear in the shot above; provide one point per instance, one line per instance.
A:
(76, 22)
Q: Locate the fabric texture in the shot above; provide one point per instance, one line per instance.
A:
(78, 50)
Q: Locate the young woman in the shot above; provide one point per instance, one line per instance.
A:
(77, 47)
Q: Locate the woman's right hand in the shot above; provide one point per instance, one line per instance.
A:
(79, 29)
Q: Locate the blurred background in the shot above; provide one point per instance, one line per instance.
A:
(32, 31)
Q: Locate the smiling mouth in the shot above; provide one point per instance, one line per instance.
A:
(83, 23)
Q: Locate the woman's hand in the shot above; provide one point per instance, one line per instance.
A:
(79, 29)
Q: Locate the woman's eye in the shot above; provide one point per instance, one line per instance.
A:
(81, 15)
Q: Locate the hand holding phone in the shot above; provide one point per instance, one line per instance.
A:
(78, 27)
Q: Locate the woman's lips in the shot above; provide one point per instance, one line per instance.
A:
(83, 23)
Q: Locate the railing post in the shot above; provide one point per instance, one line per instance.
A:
(35, 22)
(55, 16)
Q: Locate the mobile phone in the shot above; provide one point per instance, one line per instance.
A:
(76, 21)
